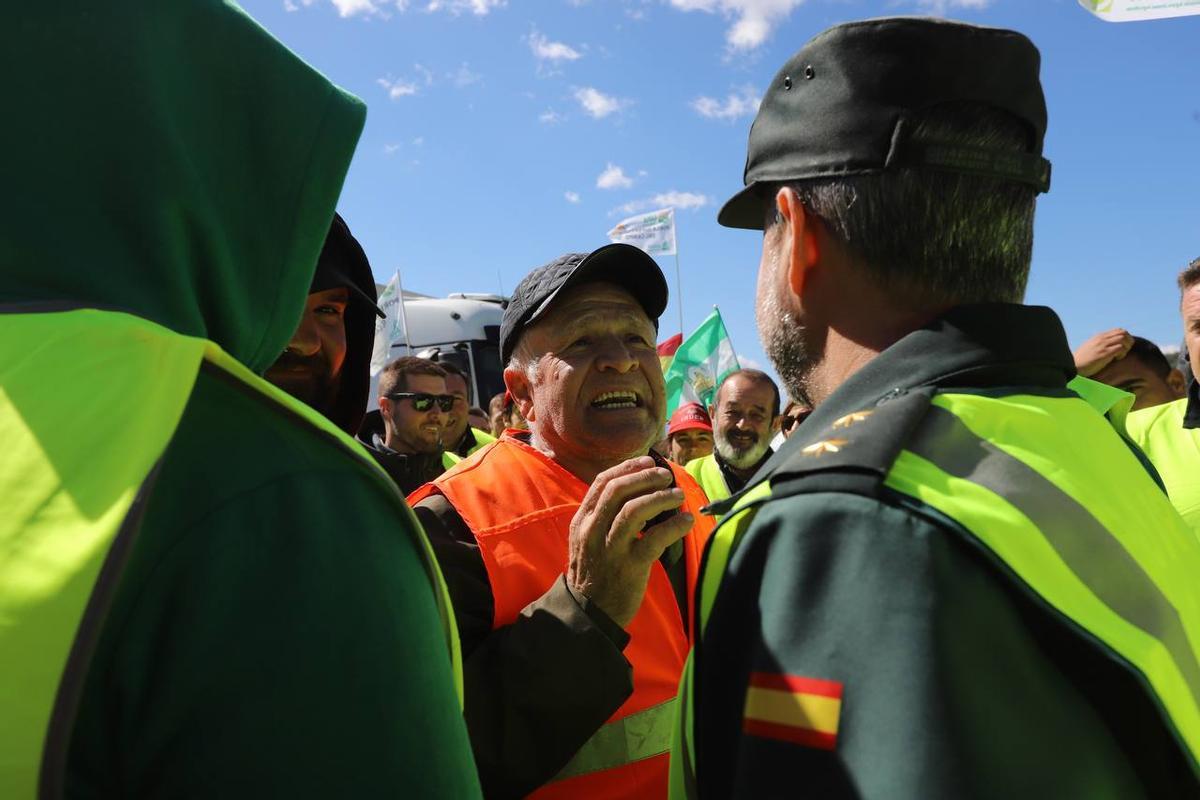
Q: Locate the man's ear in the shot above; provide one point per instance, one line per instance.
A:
(801, 247)
(516, 381)
(1177, 383)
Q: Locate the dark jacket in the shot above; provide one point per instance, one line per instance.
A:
(410, 471)
(956, 680)
(174, 161)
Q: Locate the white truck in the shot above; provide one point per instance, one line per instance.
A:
(462, 328)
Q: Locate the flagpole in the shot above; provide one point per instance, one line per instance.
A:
(678, 275)
(403, 313)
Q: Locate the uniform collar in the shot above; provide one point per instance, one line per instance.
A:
(976, 346)
(1191, 414)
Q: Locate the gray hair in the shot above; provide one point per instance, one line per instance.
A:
(936, 237)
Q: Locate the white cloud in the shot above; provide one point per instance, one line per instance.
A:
(942, 6)
(671, 199)
(463, 76)
(572, 197)
(390, 149)
(348, 8)
(550, 117)
(743, 103)
(479, 8)
(753, 20)
(613, 177)
(598, 104)
(554, 52)
(417, 142)
(425, 73)
(746, 362)
(398, 88)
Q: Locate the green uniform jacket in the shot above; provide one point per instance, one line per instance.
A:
(274, 631)
(954, 680)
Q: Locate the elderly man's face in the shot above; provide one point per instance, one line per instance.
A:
(742, 421)
(595, 391)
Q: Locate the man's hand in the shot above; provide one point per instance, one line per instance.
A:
(607, 561)
(1101, 350)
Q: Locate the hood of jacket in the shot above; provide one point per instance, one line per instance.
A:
(172, 160)
(343, 263)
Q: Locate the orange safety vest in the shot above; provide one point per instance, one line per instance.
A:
(519, 504)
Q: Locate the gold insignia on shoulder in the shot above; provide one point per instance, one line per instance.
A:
(850, 419)
(823, 447)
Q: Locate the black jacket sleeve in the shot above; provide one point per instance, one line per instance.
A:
(955, 681)
(537, 689)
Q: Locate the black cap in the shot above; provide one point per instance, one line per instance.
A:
(840, 106)
(339, 257)
(621, 264)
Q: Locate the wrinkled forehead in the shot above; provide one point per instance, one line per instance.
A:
(746, 391)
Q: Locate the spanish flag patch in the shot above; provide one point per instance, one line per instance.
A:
(804, 711)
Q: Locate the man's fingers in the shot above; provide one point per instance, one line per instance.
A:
(666, 533)
(620, 490)
(627, 467)
(635, 513)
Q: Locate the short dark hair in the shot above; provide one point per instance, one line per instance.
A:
(937, 237)
(1190, 275)
(757, 376)
(1149, 354)
(392, 378)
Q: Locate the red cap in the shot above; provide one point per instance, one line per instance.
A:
(689, 416)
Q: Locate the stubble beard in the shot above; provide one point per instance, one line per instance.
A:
(782, 337)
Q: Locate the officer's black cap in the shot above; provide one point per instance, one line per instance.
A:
(621, 264)
(839, 106)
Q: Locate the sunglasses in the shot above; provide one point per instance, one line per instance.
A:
(422, 401)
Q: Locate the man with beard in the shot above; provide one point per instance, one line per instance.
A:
(955, 579)
(407, 434)
(568, 561)
(327, 361)
(462, 438)
(747, 406)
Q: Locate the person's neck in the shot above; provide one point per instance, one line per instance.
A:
(847, 349)
(582, 467)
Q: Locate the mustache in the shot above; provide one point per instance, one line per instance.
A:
(289, 360)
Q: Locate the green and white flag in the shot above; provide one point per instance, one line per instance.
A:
(390, 329)
(700, 364)
(653, 232)
(1132, 10)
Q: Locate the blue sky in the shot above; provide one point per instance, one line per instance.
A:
(502, 134)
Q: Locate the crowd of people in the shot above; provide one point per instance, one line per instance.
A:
(946, 557)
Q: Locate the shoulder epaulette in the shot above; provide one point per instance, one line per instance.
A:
(855, 451)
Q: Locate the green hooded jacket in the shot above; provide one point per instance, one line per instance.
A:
(274, 631)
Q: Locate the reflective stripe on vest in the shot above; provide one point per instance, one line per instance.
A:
(69, 480)
(682, 777)
(636, 737)
(1069, 510)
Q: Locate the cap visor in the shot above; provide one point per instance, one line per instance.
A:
(743, 210)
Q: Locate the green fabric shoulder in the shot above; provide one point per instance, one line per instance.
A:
(1175, 452)
(274, 573)
(707, 473)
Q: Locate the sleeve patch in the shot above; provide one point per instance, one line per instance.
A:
(791, 708)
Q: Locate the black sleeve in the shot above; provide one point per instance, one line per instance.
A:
(537, 689)
(953, 682)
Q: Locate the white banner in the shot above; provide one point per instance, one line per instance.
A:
(653, 232)
(389, 329)
(1132, 10)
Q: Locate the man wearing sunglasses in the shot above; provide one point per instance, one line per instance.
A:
(408, 433)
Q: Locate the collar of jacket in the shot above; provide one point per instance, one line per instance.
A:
(972, 346)
(1191, 414)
